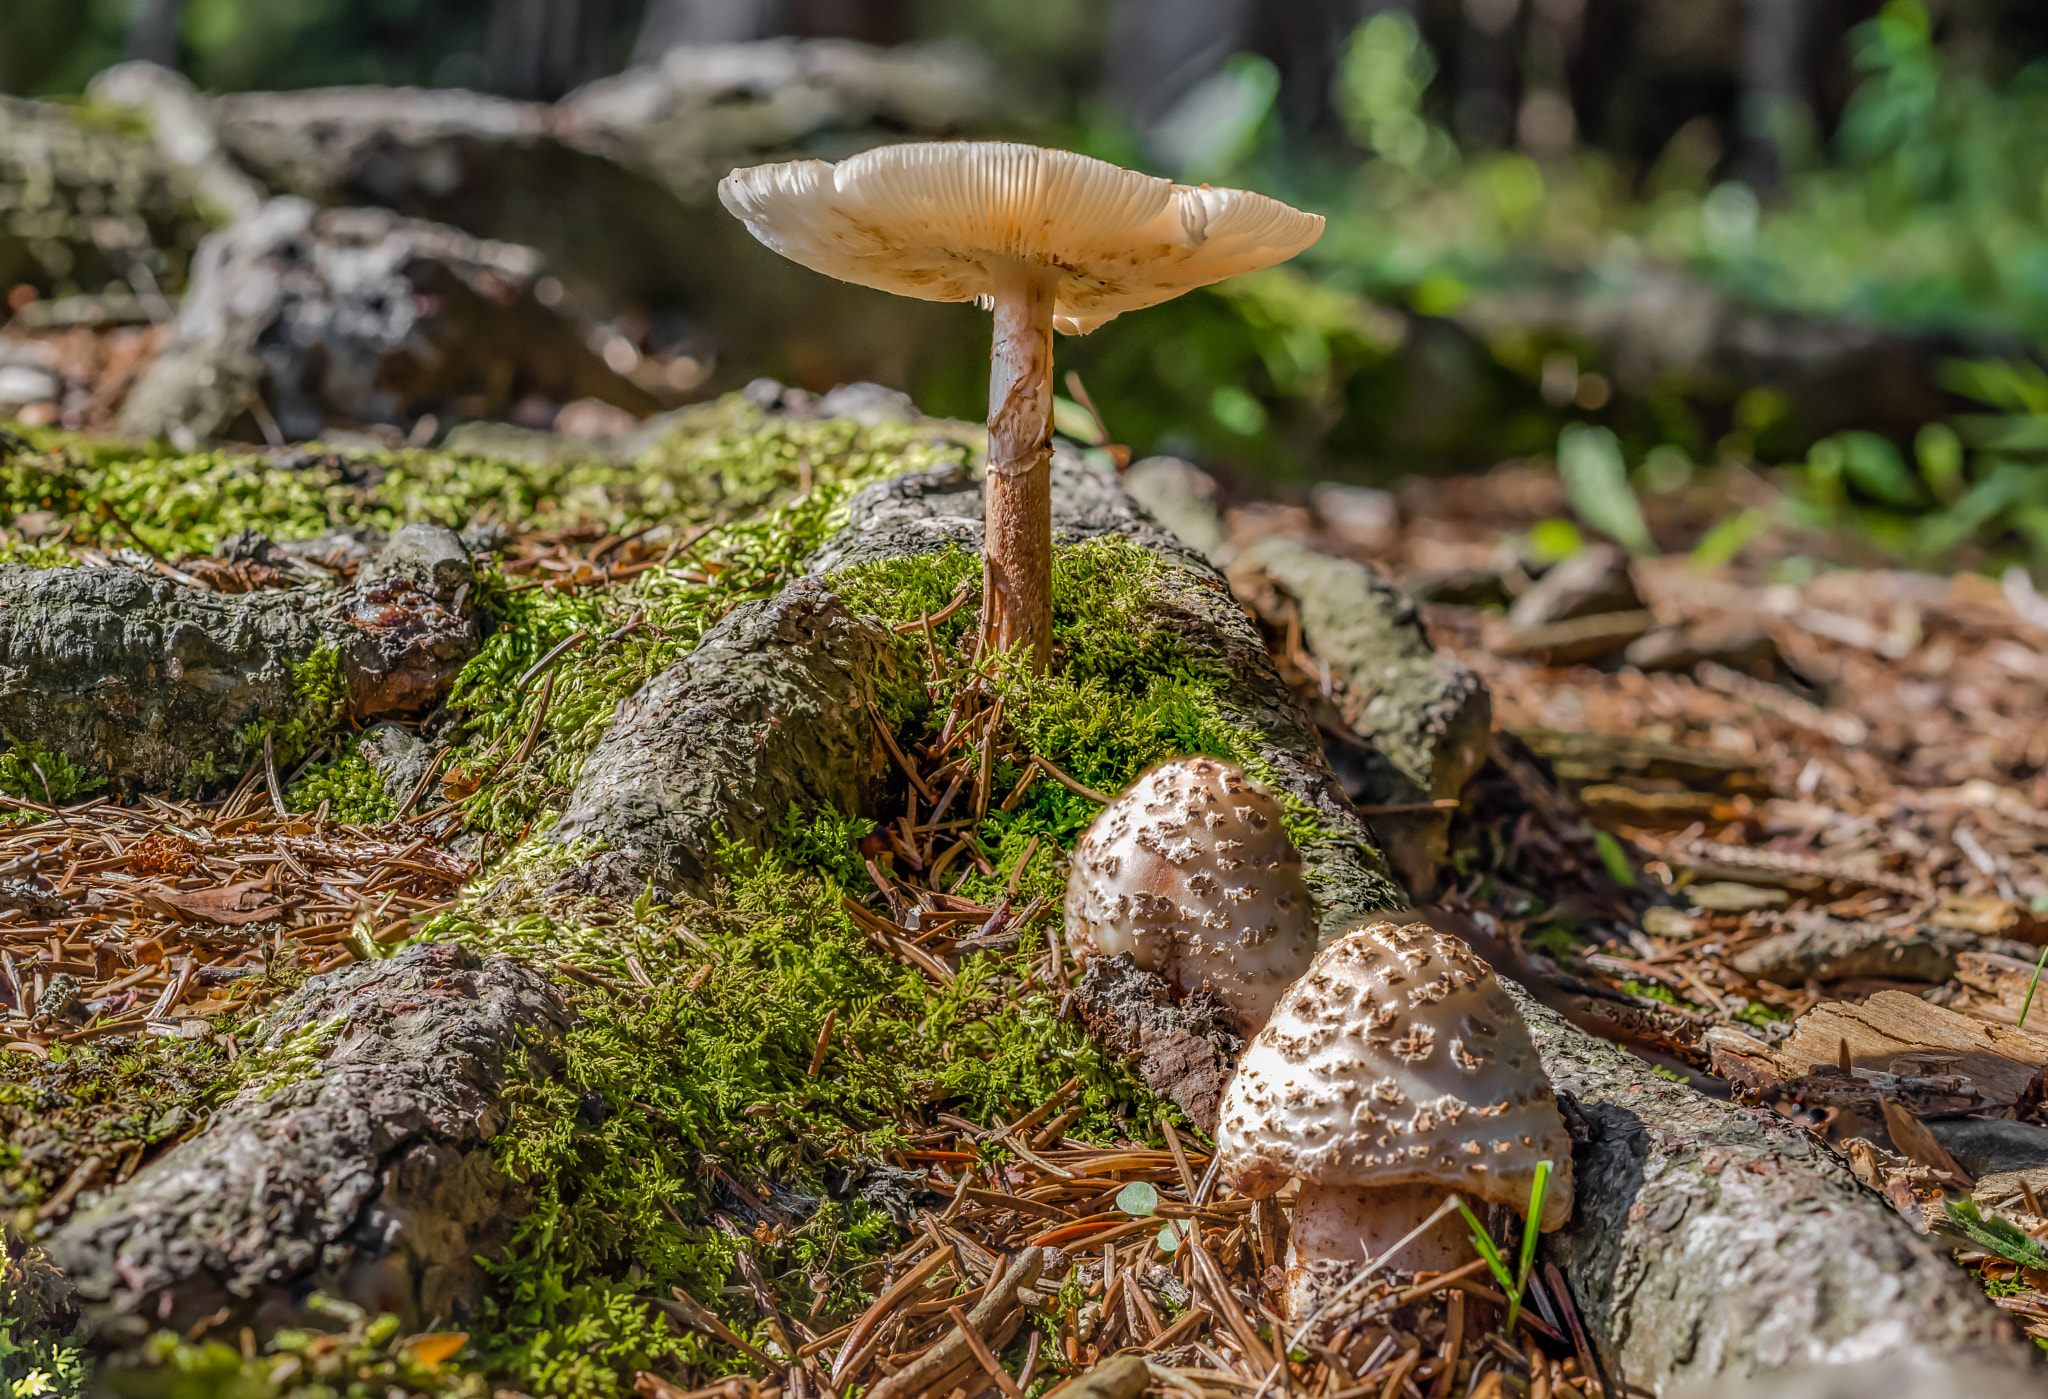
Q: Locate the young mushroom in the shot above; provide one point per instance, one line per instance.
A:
(1191, 872)
(1393, 1073)
(1047, 240)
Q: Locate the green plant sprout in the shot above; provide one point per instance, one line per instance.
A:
(1515, 1282)
(2027, 1002)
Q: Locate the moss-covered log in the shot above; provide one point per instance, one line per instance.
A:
(353, 1162)
(771, 710)
(924, 512)
(1423, 721)
(112, 675)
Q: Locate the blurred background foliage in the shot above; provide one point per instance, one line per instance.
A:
(1808, 236)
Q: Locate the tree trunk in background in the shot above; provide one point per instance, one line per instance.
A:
(1159, 49)
(1773, 107)
(1487, 87)
(539, 49)
(153, 31)
(668, 23)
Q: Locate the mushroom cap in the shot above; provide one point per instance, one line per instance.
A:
(1396, 1060)
(1191, 872)
(951, 220)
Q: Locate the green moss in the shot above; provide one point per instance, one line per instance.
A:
(656, 1092)
(319, 705)
(353, 790)
(674, 605)
(35, 1363)
(722, 460)
(34, 773)
(1124, 692)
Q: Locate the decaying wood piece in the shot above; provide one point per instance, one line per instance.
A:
(1710, 1240)
(1817, 947)
(1898, 1032)
(146, 681)
(1425, 720)
(362, 315)
(356, 1163)
(1183, 1050)
(925, 511)
(771, 709)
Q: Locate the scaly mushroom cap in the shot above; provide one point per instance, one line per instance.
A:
(1191, 872)
(950, 220)
(1396, 1060)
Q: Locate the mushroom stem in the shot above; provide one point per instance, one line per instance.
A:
(1017, 529)
(1337, 1228)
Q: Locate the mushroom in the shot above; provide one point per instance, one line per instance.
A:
(1395, 1071)
(1047, 240)
(1191, 872)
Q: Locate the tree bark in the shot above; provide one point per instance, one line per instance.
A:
(369, 1178)
(144, 682)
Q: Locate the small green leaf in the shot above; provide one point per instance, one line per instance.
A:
(1138, 1199)
(1170, 1236)
(1996, 1235)
(1616, 860)
(1596, 482)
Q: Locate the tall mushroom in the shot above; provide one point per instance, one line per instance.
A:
(1191, 872)
(1394, 1072)
(1047, 240)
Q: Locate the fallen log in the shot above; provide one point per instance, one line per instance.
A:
(151, 684)
(366, 1176)
(1709, 1240)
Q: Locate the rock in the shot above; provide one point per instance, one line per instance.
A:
(1820, 948)
(365, 316)
(770, 710)
(1425, 719)
(1716, 1243)
(1181, 496)
(368, 1176)
(151, 684)
(1993, 1146)
(1183, 1051)
(923, 511)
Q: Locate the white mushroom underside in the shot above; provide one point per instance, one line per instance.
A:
(1396, 1059)
(950, 221)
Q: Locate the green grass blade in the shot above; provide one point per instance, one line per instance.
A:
(2027, 1003)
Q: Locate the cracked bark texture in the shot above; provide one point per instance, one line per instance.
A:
(366, 1175)
(140, 679)
(770, 710)
(924, 511)
(1710, 1242)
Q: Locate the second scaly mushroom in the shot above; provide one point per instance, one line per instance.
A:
(1048, 240)
(1394, 1072)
